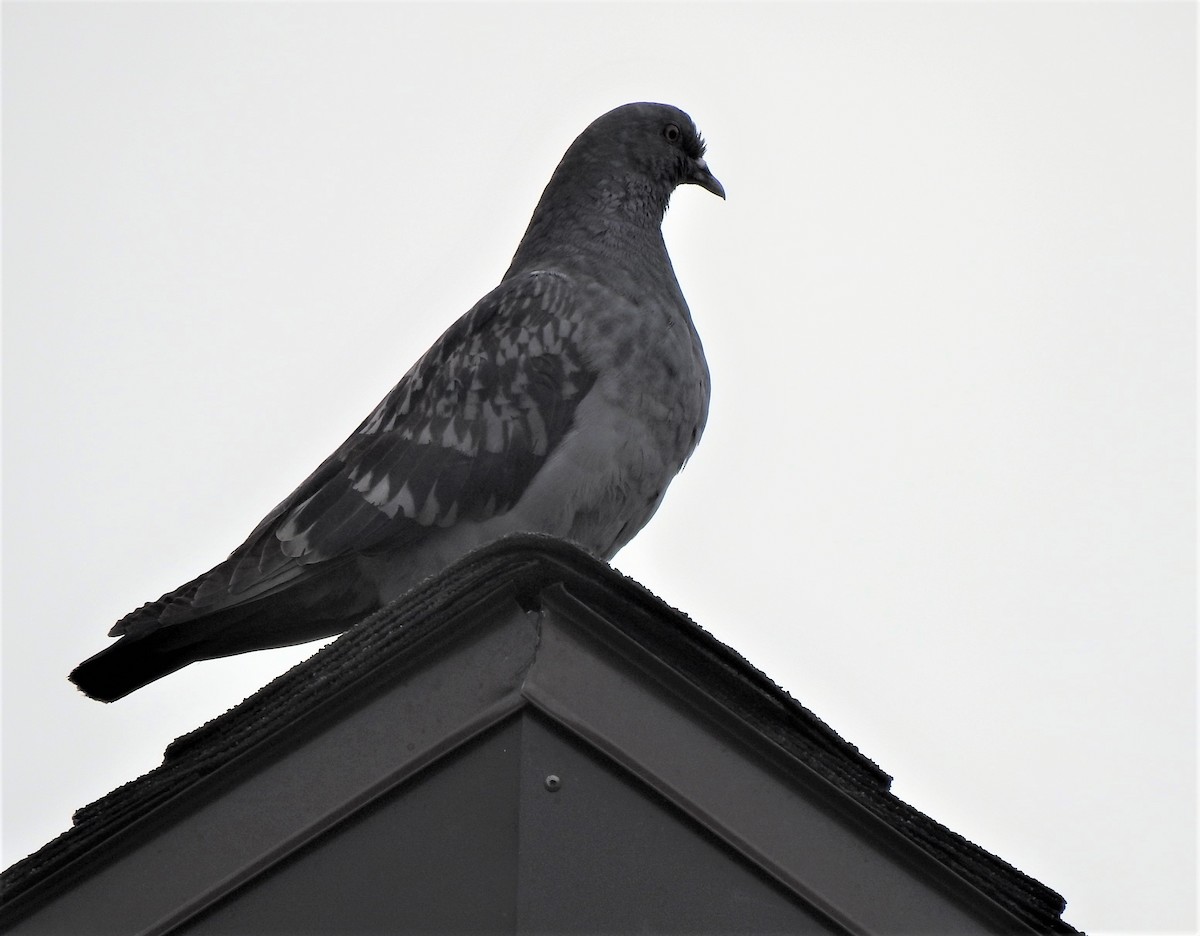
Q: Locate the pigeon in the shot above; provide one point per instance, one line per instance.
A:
(564, 402)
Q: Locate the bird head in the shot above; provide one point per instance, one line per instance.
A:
(614, 183)
(656, 141)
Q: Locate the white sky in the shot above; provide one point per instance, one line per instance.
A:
(946, 495)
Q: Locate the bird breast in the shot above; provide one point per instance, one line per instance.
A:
(633, 432)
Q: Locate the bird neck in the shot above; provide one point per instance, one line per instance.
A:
(618, 219)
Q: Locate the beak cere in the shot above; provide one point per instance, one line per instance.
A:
(700, 175)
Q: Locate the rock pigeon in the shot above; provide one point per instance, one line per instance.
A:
(563, 403)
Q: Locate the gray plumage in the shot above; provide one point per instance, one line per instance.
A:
(564, 402)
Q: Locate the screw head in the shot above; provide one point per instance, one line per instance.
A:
(552, 783)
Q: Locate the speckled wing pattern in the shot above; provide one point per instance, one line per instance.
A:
(458, 439)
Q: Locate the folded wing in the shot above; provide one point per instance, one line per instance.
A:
(458, 440)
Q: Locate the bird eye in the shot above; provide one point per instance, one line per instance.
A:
(671, 132)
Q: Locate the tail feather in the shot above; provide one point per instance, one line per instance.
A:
(318, 606)
(127, 665)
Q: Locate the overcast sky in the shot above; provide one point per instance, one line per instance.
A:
(946, 494)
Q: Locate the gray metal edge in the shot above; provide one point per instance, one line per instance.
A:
(598, 683)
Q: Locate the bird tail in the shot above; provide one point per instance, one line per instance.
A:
(134, 661)
(127, 665)
(318, 605)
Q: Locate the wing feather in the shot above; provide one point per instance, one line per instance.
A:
(459, 438)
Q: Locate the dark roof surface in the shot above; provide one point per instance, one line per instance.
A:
(528, 565)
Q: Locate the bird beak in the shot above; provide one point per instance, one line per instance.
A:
(701, 176)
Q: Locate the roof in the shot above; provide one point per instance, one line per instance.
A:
(541, 581)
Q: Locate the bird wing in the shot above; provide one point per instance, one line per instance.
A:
(458, 439)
